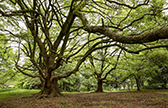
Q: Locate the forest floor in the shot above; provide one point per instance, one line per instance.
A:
(134, 99)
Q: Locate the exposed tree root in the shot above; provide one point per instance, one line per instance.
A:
(41, 96)
(98, 91)
(44, 96)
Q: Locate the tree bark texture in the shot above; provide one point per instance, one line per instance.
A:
(49, 89)
(135, 39)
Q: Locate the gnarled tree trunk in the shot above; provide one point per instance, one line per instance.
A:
(49, 89)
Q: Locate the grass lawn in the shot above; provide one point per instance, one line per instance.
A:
(163, 92)
(115, 99)
(13, 92)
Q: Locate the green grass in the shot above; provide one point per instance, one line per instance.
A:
(101, 106)
(103, 91)
(12, 92)
(163, 92)
(120, 90)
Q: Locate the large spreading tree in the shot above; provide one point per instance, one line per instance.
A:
(51, 33)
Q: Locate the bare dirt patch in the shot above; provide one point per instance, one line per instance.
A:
(93, 100)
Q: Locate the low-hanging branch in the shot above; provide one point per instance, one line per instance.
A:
(134, 39)
(117, 82)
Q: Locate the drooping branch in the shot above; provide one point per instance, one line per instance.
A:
(117, 82)
(138, 51)
(135, 39)
(93, 48)
(113, 67)
(15, 13)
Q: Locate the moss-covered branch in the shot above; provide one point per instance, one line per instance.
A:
(161, 33)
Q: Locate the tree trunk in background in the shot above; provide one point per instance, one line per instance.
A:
(164, 83)
(99, 86)
(124, 86)
(132, 84)
(137, 83)
(128, 87)
(64, 86)
(88, 88)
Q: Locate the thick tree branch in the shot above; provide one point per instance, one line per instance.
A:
(65, 29)
(135, 39)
